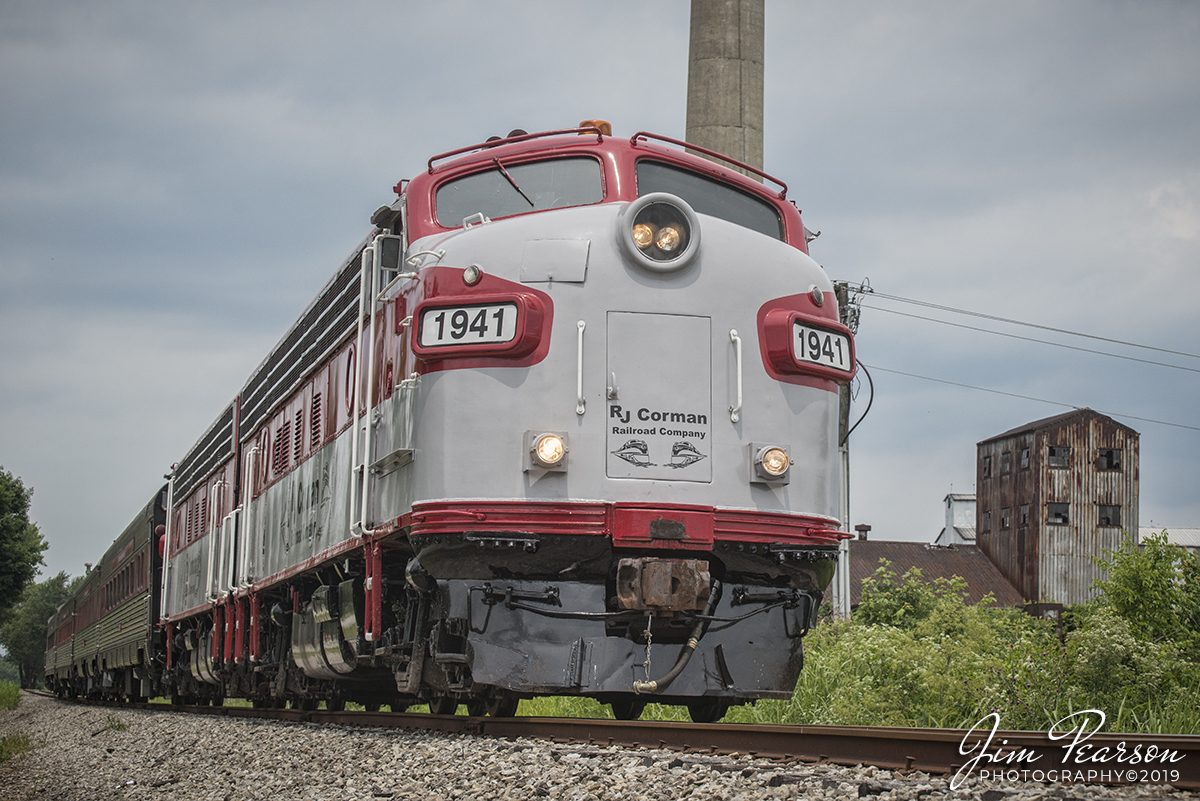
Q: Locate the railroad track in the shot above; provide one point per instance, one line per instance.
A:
(1101, 758)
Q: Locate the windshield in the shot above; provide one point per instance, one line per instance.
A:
(510, 189)
(707, 196)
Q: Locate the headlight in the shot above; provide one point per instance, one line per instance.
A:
(546, 451)
(775, 461)
(549, 450)
(769, 464)
(659, 231)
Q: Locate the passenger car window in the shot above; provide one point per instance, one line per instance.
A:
(710, 197)
(509, 189)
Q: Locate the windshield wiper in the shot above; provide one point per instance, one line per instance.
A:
(504, 172)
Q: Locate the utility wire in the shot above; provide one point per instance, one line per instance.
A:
(1032, 339)
(1028, 397)
(1030, 325)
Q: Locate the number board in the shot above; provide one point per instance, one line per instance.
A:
(468, 325)
(819, 346)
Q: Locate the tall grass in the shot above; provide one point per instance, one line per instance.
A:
(10, 695)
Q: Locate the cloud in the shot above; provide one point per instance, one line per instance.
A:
(177, 182)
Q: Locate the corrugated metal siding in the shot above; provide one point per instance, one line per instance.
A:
(1047, 561)
(1183, 537)
(1069, 552)
(1013, 549)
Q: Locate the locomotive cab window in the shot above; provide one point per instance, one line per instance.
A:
(710, 197)
(510, 189)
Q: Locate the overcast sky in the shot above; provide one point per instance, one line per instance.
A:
(178, 180)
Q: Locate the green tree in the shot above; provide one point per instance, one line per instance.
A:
(23, 635)
(21, 545)
(1155, 588)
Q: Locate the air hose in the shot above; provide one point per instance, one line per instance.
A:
(714, 595)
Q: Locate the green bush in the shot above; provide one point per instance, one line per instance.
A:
(916, 654)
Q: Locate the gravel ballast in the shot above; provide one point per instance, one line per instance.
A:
(85, 753)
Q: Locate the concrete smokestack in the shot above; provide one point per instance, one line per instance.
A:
(725, 78)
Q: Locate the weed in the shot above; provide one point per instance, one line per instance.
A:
(14, 745)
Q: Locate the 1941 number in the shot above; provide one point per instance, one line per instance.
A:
(816, 346)
(462, 325)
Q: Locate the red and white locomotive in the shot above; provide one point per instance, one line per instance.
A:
(571, 405)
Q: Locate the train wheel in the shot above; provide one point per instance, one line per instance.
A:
(443, 705)
(338, 705)
(372, 706)
(707, 710)
(260, 703)
(477, 707)
(398, 707)
(504, 706)
(628, 708)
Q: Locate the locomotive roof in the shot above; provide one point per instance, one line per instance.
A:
(620, 156)
(573, 140)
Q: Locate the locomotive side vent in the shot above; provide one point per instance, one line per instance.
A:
(283, 440)
(315, 419)
(299, 449)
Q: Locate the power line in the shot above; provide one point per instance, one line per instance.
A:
(1032, 339)
(1028, 397)
(981, 315)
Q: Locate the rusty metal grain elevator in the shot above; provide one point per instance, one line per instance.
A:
(1052, 496)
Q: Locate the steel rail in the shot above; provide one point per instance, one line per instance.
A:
(934, 751)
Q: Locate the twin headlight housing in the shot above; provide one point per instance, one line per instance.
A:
(659, 232)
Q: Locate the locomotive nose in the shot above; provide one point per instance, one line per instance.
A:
(659, 232)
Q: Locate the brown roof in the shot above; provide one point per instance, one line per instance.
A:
(1048, 421)
(935, 562)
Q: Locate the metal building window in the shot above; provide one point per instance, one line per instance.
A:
(1005, 463)
(1059, 456)
(1110, 459)
(1024, 458)
(1005, 518)
(1024, 515)
(1110, 515)
(1058, 514)
(987, 520)
(987, 467)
